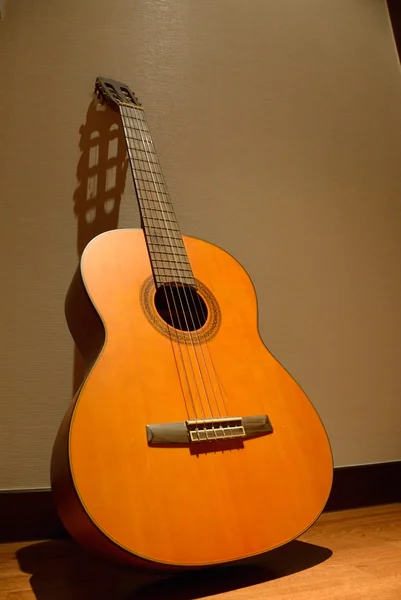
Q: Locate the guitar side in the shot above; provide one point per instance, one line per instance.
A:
(163, 506)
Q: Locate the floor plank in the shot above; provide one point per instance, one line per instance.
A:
(347, 555)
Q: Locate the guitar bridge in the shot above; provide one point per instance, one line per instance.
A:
(218, 430)
(201, 430)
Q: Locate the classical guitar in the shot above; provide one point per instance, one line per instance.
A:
(188, 444)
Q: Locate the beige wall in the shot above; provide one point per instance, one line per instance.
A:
(279, 128)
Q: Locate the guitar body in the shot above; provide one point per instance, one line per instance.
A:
(172, 506)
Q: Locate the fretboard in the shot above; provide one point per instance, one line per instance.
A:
(166, 248)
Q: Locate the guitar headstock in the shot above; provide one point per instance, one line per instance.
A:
(115, 94)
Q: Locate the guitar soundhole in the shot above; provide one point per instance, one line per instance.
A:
(181, 307)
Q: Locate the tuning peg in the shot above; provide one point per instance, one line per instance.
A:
(99, 96)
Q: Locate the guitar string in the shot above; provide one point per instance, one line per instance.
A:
(204, 316)
(225, 411)
(196, 303)
(157, 185)
(142, 199)
(194, 296)
(129, 117)
(210, 358)
(146, 151)
(179, 295)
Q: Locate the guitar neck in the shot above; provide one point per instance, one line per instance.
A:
(166, 248)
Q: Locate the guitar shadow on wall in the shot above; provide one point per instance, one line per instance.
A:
(101, 176)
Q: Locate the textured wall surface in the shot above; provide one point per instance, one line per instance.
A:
(278, 125)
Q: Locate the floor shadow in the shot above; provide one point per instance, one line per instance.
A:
(61, 569)
(101, 176)
(286, 560)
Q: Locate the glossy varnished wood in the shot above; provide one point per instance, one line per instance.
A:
(346, 555)
(169, 505)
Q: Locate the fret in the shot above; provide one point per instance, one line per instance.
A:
(153, 178)
(153, 208)
(184, 280)
(137, 149)
(160, 279)
(174, 276)
(160, 197)
(140, 154)
(138, 144)
(163, 231)
(172, 265)
(166, 242)
(137, 152)
(156, 222)
(171, 249)
(161, 238)
(177, 265)
(135, 131)
(164, 228)
(157, 215)
(172, 268)
(147, 168)
(136, 121)
(160, 220)
(168, 228)
(138, 128)
(127, 110)
(171, 272)
(154, 205)
(151, 175)
(170, 258)
(160, 271)
(166, 224)
(138, 135)
(156, 180)
(173, 242)
(151, 186)
(135, 146)
(160, 213)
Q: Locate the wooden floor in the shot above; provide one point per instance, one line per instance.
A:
(350, 555)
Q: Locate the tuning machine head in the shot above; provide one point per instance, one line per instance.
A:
(114, 93)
